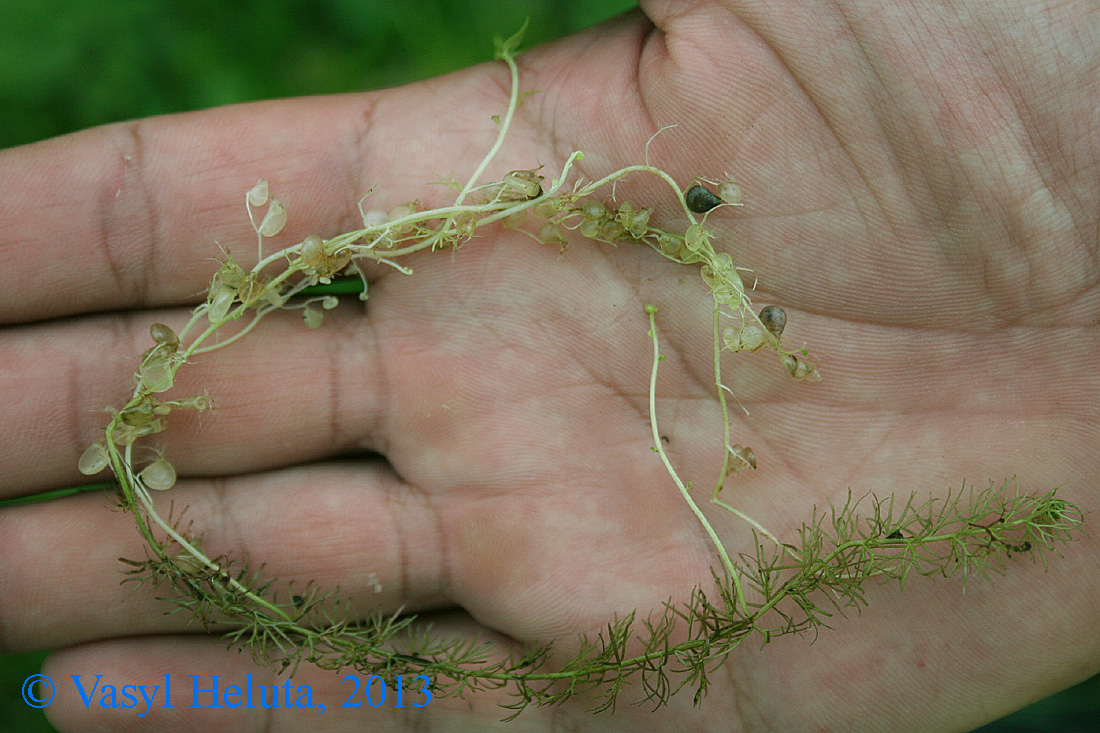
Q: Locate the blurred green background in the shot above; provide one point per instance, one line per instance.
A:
(70, 64)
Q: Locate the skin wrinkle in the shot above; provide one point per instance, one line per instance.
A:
(122, 331)
(564, 720)
(74, 398)
(638, 403)
(378, 426)
(376, 440)
(881, 209)
(415, 503)
(895, 165)
(137, 281)
(1033, 135)
(910, 132)
(227, 528)
(357, 149)
(333, 383)
(1003, 215)
(415, 720)
(594, 164)
(1028, 148)
(83, 421)
(737, 699)
(1029, 144)
(402, 543)
(546, 110)
(108, 202)
(636, 82)
(654, 38)
(444, 581)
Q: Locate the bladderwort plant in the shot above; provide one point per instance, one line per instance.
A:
(777, 588)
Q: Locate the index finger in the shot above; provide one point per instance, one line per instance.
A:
(129, 215)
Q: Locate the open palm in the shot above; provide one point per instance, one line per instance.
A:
(921, 196)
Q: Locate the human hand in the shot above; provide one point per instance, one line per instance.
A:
(506, 386)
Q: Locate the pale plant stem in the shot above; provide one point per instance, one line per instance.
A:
(590, 188)
(726, 440)
(132, 488)
(727, 563)
(513, 103)
(240, 334)
(501, 210)
(722, 401)
(200, 556)
(194, 319)
(752, 522)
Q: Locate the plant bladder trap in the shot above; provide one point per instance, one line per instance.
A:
(783, 585)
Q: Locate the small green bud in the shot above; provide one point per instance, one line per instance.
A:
(527, 183)
(274, 220)
(551, 233)
(140, 414)
(164, 336)
(195, 402)
(611, 230)
(465, 224)
(742, 457)
(546, 209)
(220, 301)
(709, 276)
(313, 251)
(590, 228)
(516, 220)
(257, 195)
(126, 434)
(639, 223)
(93, 460)
(593, 210)
(400, 212)
(669, 244)
(730, 192)
(722, 262)
(696, 237)
(159, 475)
(374, 218)
(800, 369)
(747, 338)
(230, 274)
(157, 377)
(312, 317)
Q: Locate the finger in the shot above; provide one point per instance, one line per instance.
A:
(283, 394)
(127, 215)
(351, 526)
(382, 541)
